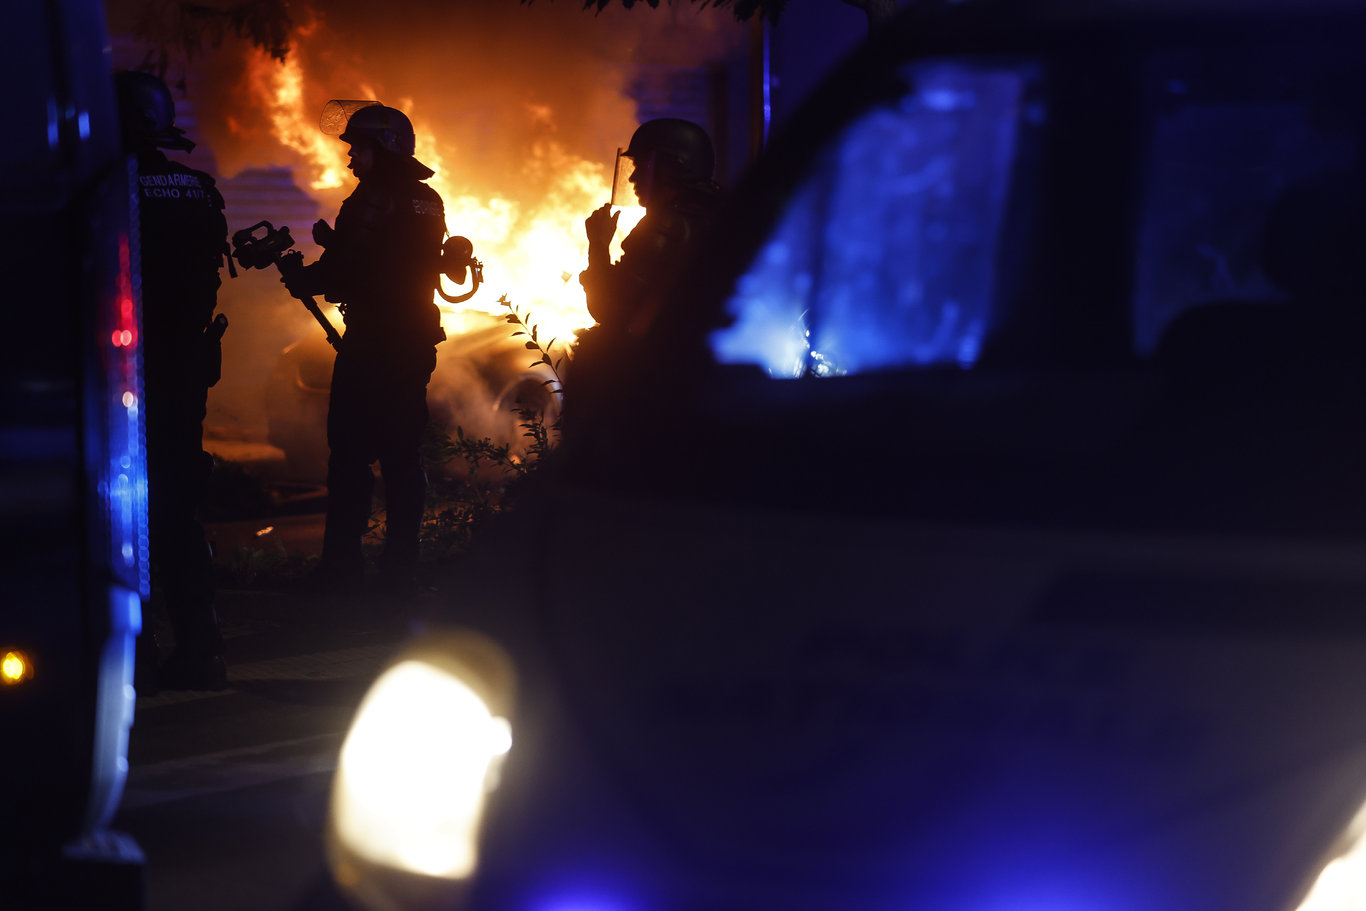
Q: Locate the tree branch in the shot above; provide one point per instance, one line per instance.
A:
(184, 28)
(879, 12)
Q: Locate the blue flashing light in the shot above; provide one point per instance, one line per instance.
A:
(587, 891)
(54, 126)
(583, 903)
(1037, 897)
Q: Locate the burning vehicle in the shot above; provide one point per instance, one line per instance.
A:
(1009, 555)
(519, 164)
(486, 384)
(484, 380)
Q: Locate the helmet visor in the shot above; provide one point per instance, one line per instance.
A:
(623, 192)
(337, 113)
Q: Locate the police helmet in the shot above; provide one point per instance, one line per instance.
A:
(680, 148)
(388, 128)
(147, 112)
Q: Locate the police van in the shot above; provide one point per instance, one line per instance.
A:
(74, 473)
(1005, 550)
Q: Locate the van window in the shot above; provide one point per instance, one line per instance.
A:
(1233, 134)
(885, 256)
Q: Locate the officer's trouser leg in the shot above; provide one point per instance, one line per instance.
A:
(350, 480)
(189, 590)
(400, 459)
(178, 475)
(405, 494)
(184, 571)
(350, 484)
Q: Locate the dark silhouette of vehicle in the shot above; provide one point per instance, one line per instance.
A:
(1009, 554)
(72, 469)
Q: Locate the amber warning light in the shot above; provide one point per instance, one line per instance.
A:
(15, 668)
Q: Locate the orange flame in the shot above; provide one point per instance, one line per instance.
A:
(284, 96)
(532, 249)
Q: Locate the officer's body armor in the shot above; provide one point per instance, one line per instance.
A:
(382, 259)
(623, 297)
(380, 265)
(631, 301)
(183, 239)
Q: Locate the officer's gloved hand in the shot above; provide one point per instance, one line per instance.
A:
(601, 225)
(302, 281)
(322, 232)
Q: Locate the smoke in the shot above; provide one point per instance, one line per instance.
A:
(507, 99)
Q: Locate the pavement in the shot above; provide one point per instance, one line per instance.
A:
(227, 790)
(274, 628)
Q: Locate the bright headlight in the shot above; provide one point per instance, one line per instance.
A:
(421, 757)
(1341, 886)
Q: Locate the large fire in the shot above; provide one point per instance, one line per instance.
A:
(532, 248)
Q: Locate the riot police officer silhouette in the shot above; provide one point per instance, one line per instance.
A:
(672, 166)
(183, 242)
(380, 264)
